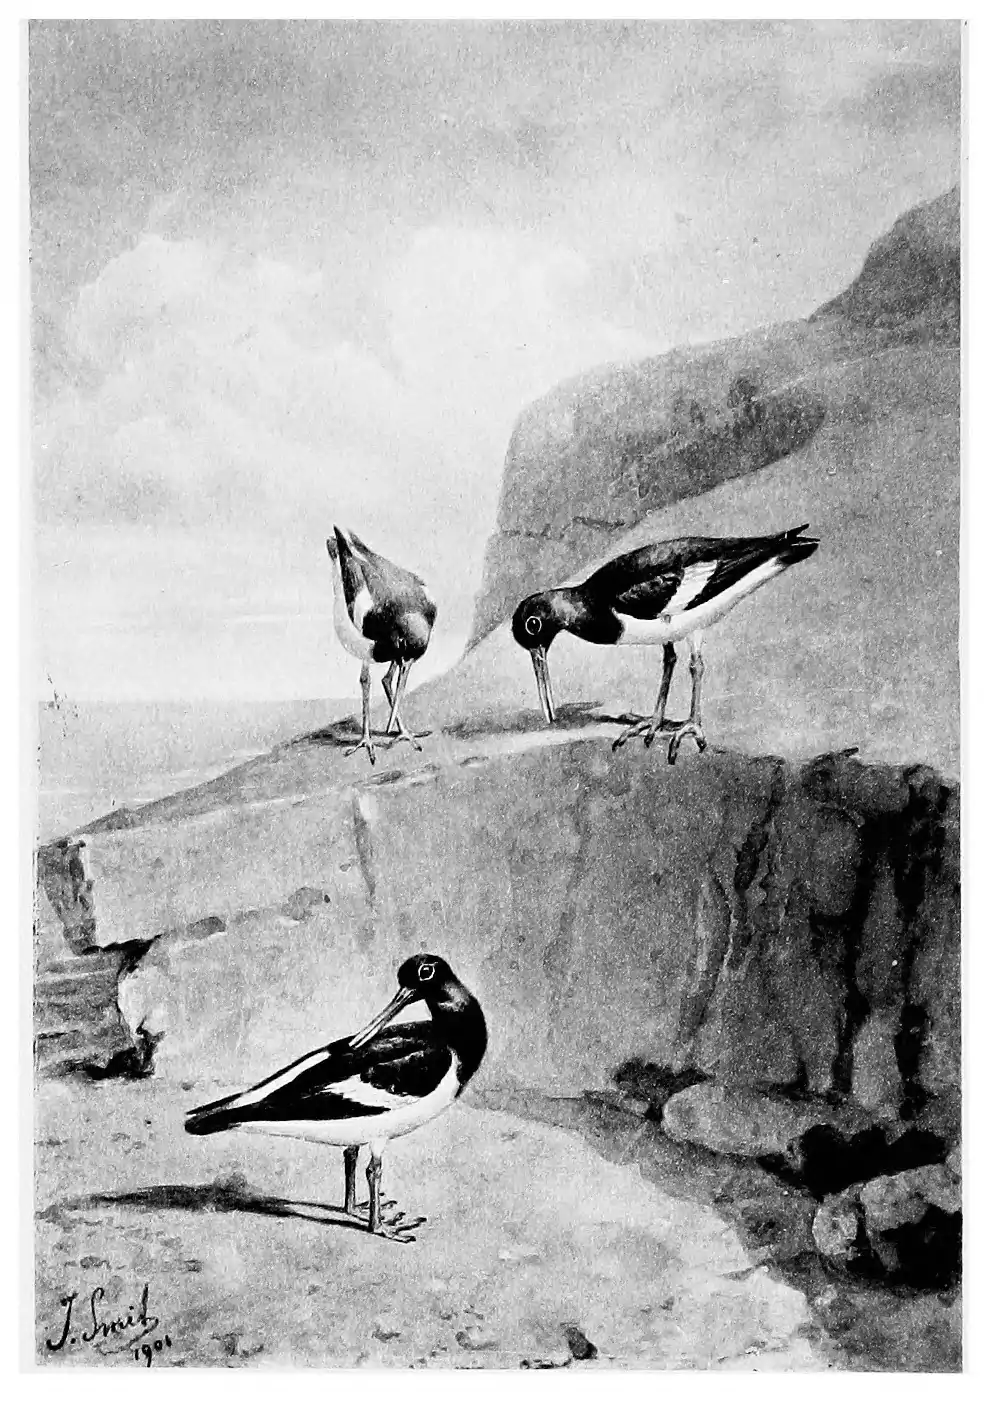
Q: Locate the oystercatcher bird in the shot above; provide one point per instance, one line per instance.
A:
(383, 613)
(655, 596)
(371, 1087)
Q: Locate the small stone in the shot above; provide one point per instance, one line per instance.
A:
(578, 1342)
(387, 1330)
(837, 1227)
(519, 1253)
(898, 1198)
(473, 1339)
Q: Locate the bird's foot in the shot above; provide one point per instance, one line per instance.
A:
(402, 736)
(682, 731)
(397, 1226)
(648, 726)
(363, 743)
(362, 1209)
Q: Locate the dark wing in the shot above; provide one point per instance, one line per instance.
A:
(395, 587)
(338, 1082)
(644, 583)
(666, 578)
(734, 559)
(400, 602)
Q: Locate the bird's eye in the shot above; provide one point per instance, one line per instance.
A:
(425, 973)
(532, 625)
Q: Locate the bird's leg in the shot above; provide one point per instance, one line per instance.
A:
(374, 1173)
(397, 1228)
(350, 1156)
(692, 728)
(652, 726)
(388, 683)
(365, 741)
(394, 697)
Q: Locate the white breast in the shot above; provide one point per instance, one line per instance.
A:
(348, 633)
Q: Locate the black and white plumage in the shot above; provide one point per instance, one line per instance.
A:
(372, 1087)
(384, 614)
(655, 596)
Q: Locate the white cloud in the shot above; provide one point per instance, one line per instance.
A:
(227, 397)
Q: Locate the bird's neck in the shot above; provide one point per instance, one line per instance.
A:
(575, 613)
(459, 1021)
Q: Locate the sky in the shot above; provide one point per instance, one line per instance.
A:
(288, 274)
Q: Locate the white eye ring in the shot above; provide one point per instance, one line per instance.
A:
(425, 973)
(532, 625)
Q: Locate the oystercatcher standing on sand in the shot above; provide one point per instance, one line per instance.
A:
(655, 596)
(383, 613)
(371, 1087)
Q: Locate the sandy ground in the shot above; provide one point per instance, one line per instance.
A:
(531, 1237)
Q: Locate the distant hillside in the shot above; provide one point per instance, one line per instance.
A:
(594, 457)
(910, 282)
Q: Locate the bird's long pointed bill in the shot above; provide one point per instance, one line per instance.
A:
(402, 999)
(402, 672)
(543, 677)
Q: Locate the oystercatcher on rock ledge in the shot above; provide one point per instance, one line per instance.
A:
(655, 596)
(383, 613)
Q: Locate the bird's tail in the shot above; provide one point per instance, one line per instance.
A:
(350, 542)
(212, 1118)
(794, 547)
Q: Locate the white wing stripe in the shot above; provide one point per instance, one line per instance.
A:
(269, 1087)
(359, 1091)
(693, 583)
(360, 606)
(351, 1088)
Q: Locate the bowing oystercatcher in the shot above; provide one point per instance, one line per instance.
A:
(383, 613)
(371, 1087)
(656, 596)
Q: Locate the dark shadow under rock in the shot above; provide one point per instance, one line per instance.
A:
(492, 723)
(824, 1160)
(653, 1083)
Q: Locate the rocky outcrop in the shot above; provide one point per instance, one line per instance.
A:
(767, 926)
(910, 283)
(595, 456)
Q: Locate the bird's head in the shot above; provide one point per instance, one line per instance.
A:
(425, 977)
(424, 974)
(536, 622)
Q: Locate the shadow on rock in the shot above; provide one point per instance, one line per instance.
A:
(523, 720)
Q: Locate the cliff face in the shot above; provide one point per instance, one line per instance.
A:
(599, 454)
(770, 926)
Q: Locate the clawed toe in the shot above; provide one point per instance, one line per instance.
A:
(404, 737)
(647, 728)
(644, 726)
(399, 1227)
(688, 730)
(363, 743)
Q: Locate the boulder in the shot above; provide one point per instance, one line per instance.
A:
(739, 1121)
(905, 1226)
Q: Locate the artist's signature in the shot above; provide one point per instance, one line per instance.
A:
(137, 1332)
